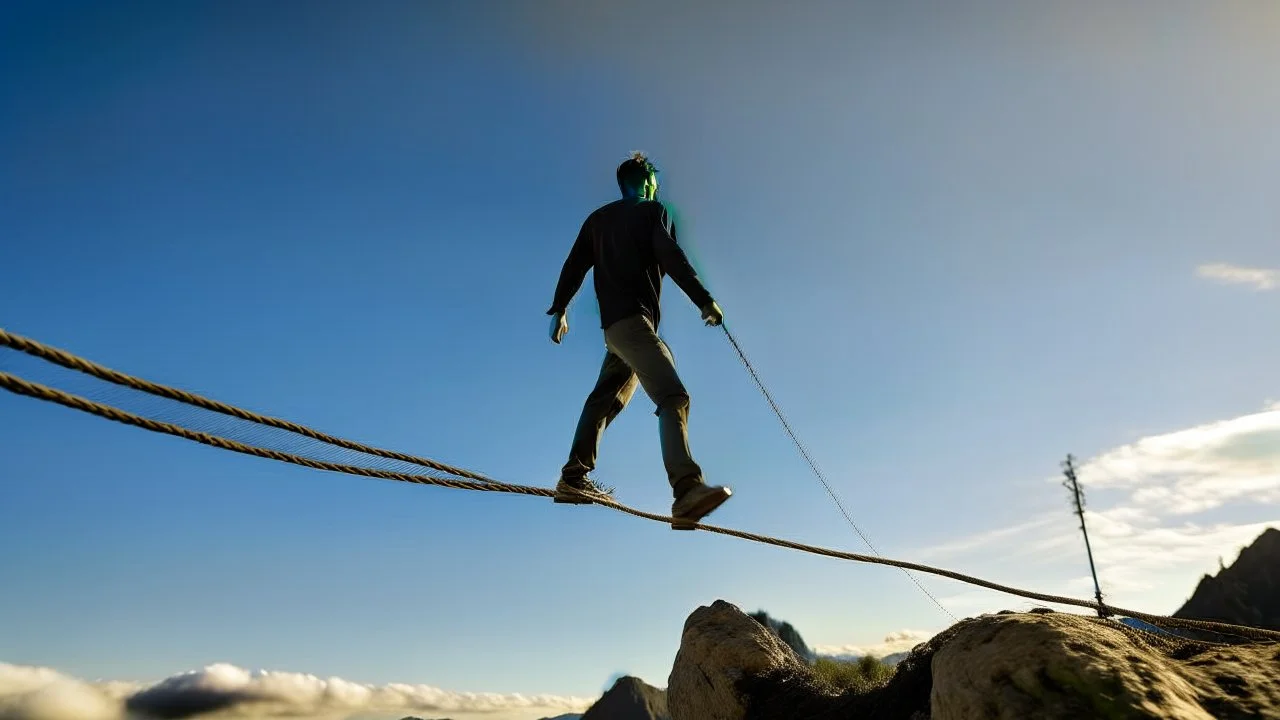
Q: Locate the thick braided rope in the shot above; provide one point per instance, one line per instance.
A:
(73, 362)
(23, 387)
(19, 386)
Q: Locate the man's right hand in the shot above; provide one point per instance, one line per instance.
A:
(559, 327)
(712, 315)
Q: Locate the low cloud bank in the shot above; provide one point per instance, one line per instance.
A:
(222, 690)
(30, 693)
(895, 642)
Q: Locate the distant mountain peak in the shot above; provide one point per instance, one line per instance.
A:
(787, 633)
(1247, 592)
(630, 698)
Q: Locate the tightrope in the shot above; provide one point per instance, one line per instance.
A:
(20, 386)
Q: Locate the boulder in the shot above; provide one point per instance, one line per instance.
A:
(719, 647)
(1059, 666)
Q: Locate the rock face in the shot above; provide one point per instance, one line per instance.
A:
(719, 647)
(1247, 592)
(630, 698)
(1009, 666)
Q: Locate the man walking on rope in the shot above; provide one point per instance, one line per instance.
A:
(631, 244)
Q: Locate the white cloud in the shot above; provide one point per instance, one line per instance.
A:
(1259, 278)
(1197, 469)
(895, 642)
(223, 690)
(1160, 511)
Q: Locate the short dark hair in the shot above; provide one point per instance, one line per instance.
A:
(634, 171)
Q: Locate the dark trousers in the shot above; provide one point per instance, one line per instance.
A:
(636, 354)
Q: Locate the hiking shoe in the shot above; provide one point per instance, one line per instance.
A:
(698, 502)
(580, 491)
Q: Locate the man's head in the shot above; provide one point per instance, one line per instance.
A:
(637, 177)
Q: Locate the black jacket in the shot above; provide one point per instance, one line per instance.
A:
(631, 244)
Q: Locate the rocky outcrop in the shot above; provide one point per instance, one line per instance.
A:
(1059, 666)
(1041, 664)
(1247, 592)
(720, 646)
(630, 698)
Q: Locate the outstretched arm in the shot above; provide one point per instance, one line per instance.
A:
(676, 264)
(572, 274)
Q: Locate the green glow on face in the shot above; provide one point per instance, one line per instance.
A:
(650, 190)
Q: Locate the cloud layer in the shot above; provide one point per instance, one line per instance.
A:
(1257, 278)
(222, 690)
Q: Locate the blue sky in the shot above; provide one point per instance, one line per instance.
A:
(959, 240)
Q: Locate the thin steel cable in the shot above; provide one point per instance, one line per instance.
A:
(813, 465)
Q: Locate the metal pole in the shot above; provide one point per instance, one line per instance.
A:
(1077, 499)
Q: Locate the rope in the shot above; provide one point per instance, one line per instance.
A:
(26, 388)
(19, 386)
(73, 362)
(813, 465)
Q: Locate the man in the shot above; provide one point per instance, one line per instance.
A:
(631, 244)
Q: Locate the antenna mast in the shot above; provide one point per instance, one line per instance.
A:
(1077, 500)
